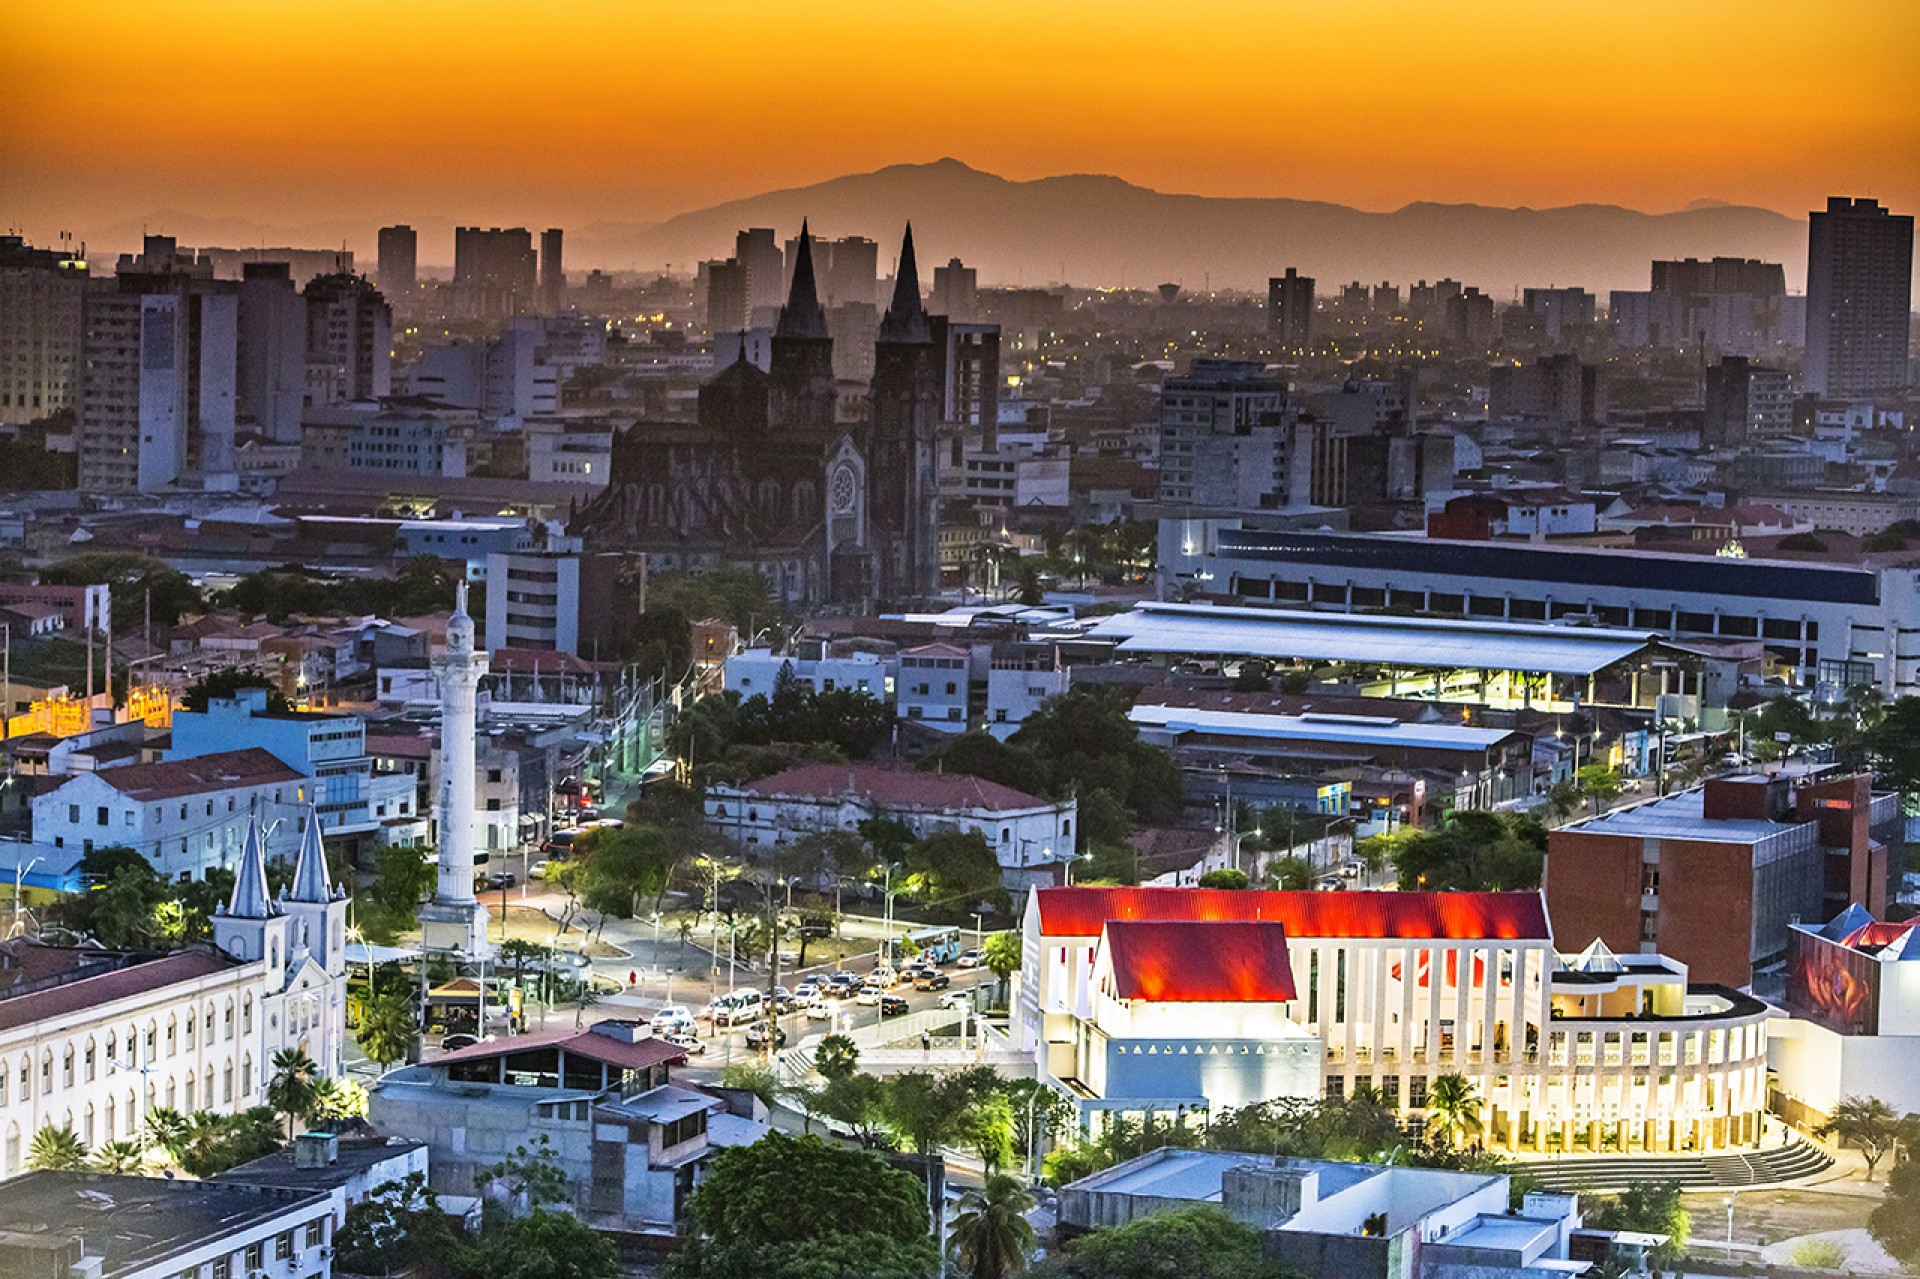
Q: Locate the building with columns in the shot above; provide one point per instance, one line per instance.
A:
(95, 1039)
(1390, 990)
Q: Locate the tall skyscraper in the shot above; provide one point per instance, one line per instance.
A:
(40, 291)
(349, 340)
(1290, 309)
(956, 291)
(853, 272)
(272, 351)
(1859, 298)
(726, 296)
(399, 259)
(495, 271)
(553, 276)
(759, 254)
(158, 386)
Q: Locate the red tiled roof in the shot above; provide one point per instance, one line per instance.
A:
(583, 1043)
(217, 772)
(1084, 912)
(1187, 961)
(894, 788)
(94, 992)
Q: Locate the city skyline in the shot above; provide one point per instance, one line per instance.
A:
(1510, 107)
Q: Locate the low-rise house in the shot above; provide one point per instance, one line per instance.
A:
(348, 1168)
(1033, 838)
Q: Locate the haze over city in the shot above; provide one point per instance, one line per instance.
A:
(747, 640)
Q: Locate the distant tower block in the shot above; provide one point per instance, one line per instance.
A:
(454, 920)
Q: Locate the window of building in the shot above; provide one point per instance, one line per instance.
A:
(256, 1255)
(315, 1233)
(283, 1245)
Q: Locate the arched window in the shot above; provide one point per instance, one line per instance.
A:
(191, 1090)
(10, 1152)
(111, 1107)
(804, 502)
(246, 1075)
(226, 1084)
(89, 1061)
(86, 1126)
(246, 1019)
(229, 1018)
(66, 1067)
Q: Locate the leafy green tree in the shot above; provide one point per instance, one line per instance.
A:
(1292, 874)
(1598, 783)
(767, 1208)
(530, 1172)
(292, 1088)
(985, 1127)
(857, 1101)
(399, 1227)
(618, 864)
(1001, 955)
(1892, 748)
(551, 1245)
(1896, 1222)
(388, 1030)
(1473, 851)
(1225, 877)
(166, 1132)
(387, 906)
(1453, 1107)
(992, 1237)
(1088, 743)
(135, 579)
(1653, 1207)
(1870, 1124)
(1201, 1242)
(836, 1057)
(57, 1150)
(339, 1099)
(753, 1077)
(981, 754)
(957, 871)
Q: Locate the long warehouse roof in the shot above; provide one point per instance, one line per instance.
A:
(1208, 630)
(1355, 729)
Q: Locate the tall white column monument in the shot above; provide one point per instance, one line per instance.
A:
(454, 920)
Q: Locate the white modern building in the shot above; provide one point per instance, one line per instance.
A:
(184, 816)
(1397, 988)
(94, 1040)
(1033, 838)
(1853, 992)
(932, 687)
(755, 671)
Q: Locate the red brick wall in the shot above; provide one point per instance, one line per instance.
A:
(1706, 909)
(1593, 890)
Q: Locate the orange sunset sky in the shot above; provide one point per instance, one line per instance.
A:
(567, 112)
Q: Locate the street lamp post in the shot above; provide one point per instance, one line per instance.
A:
(656, 944)
(1730, 1200)
(141, 1120)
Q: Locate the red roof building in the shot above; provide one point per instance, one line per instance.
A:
(1183, 962)
(1084, 912)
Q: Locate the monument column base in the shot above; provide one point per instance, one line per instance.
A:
(458, 926)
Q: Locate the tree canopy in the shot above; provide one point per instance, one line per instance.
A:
(799, 1207)
(1471, 850)
(135, 578)
(1199, 1242)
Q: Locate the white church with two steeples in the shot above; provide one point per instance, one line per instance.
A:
(301, 941)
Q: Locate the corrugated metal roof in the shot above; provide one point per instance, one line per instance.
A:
(1368, 730)
(1207, 630)
(1085, 912)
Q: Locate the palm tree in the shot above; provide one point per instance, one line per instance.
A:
(166, 1129)
(1453, 1106)
(121, 1157)
(291, 1090)
(387, 1030)
(57, 1150)
(991, 1234)
(1001, 954)
(202, 1150)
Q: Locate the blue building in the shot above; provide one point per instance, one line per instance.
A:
(351, 799)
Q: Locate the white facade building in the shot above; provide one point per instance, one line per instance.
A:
(1032, 837)
(932, 686)
(754, 672)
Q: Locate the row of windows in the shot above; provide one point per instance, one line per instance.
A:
(80, 1064)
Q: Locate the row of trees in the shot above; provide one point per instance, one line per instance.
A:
(1469, 851)
(422, 584)
(402, 1228)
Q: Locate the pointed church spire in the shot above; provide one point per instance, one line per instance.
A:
(310, 871)
(803, 316)
(906, 318)
(250, 899)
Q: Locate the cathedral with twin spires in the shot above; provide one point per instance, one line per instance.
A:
(827, 489)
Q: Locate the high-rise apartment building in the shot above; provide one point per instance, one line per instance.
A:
(759, 255)
(40, 292)
(1558, 310)
(956, 291)
(158, 382)
(1746, 402)
(1224, 437)
(399, 259)
(271, 357)
(349, 340)
(726, 296)
(1859, 298)
(1290, 310)
(553, 275)
(853, 272)
(496, 271)
(1469, 317)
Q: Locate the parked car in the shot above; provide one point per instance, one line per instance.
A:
(869, 996)
(689, 1044)
(763, 1034)
(931, 979)
(823, 1010)
(972, 958)
(892, 1005)
(453, 1043)
(502, 879)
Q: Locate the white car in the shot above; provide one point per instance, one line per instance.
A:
(823, 1010)
(805, 993)
(971, 958)
(673, 1017)
(957, 999)
(686, 1043)
(868, 996)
